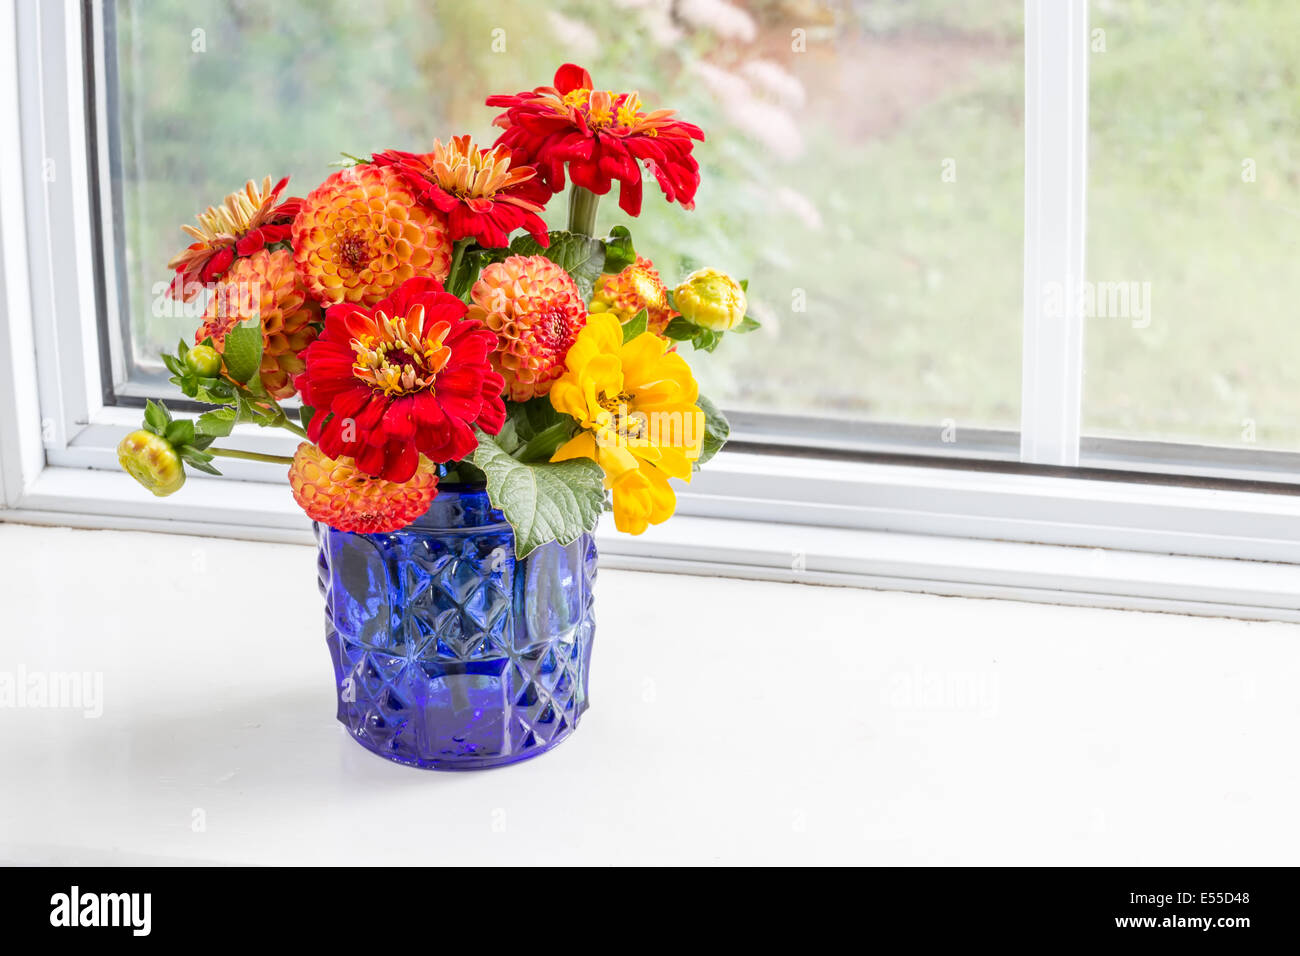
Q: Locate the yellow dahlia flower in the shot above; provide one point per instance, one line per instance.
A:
(626, 293)
(363, 232)
(536, 311)
(636, 405)
(337, 493)
(711, 299)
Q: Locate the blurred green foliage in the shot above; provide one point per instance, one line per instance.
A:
(888, 290)
(843, 218)
(1183, 95)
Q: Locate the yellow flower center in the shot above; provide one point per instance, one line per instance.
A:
(605, 108)
(468, 172)
(627, 425)
(578, 98)
(399, 358)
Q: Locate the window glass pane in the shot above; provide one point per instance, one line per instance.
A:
(864, 161)
(1194, 222)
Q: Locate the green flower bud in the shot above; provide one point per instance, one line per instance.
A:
(203, 360)
(711, 299)
(152, 461)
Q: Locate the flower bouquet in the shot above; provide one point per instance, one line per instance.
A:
(473, 391)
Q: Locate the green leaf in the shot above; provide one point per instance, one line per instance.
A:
(636, 325)
(243, 351)
(744, 284)
(747, 325)
(582, 257)
(182, 349)
(526, 421)
(544, 501)
(179, 433)
(349, 160)
(199, 460)
(250, 412)
(204, 466)
(156, 417)
(681, 329)
(716, 429)
(619, 253)
(174, 365)
(462, 472)
(218, 423)
(545, 443)
(706, 341)
(305, 414)
(213, 391)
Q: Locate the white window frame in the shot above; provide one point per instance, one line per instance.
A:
(1041, 529)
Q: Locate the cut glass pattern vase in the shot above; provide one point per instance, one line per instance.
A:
(449, 652)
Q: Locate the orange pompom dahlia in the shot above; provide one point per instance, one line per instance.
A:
(265, 286)
(248, 221)
(536, 311)
(336, 492)
(626, 293)
(362, 233)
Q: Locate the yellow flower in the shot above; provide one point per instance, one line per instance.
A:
(711, 299)
(151, 460)
(636, 405)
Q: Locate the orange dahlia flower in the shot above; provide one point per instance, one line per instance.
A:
(362, 233)
(603, 136)
(245, 223)
(409, 377)
(337, 493)
(265, 286)
(536, 311)
(624, 294)
(482, 195)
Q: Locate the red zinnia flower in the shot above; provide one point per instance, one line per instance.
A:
(479, 191)
(602, 136)
(247, 222)
(410, 377)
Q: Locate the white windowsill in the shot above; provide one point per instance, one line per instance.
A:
(742, 547)
(731, 722)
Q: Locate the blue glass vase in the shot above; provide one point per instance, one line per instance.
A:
(450, 653)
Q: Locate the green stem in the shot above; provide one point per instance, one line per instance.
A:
(545, 443)
(457, 256)
(296, 429)
(249, 455)
(582, 210)
(278, 419)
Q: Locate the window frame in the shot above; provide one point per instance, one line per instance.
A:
(791, 499)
